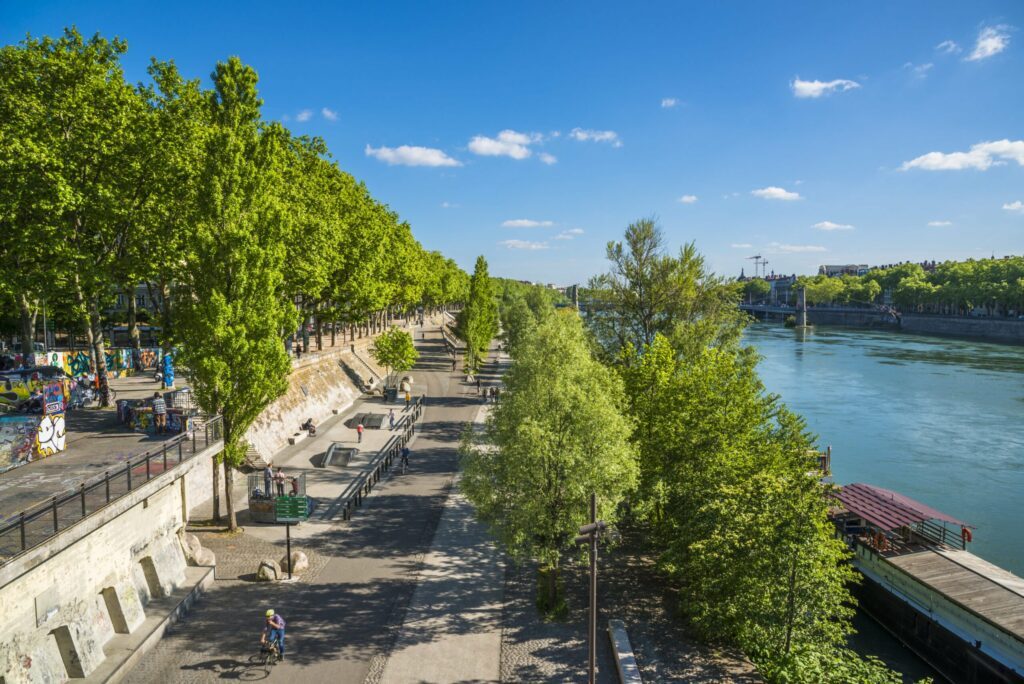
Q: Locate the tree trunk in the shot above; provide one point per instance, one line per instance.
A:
(334, 331)
(28, 323)
(133, 330)
(229, 499)
(216, 488)
(96, 324)
(317, 329)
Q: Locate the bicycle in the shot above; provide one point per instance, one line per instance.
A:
(270, 655)
(405, 460)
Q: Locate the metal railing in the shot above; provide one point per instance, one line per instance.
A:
(35, 525)
(353, 495)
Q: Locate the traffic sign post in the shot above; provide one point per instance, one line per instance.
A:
(290, 510)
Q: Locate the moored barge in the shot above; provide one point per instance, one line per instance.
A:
(958, 612)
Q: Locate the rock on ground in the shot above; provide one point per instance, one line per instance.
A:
(300, 563)
(268, 571)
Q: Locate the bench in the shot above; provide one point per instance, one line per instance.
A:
(625, 661)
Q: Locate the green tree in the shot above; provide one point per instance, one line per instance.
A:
(395, 351)
(558, 434)
(478, 320)
(756, 289)
(231, 324)
(647, 292)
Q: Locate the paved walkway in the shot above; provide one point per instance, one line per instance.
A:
(347, 616)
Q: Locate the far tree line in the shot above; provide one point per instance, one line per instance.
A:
(956, 288)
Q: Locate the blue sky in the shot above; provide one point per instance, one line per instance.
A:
(801, 131)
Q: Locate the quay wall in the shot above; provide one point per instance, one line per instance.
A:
(963, 326)
(853, 318)
(65, 599)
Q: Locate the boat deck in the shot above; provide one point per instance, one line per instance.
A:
(990, 592)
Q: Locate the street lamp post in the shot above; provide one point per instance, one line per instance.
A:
(589, 534)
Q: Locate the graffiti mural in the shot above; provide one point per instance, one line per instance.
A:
(17, 440)
(78, 363)
(50, 436)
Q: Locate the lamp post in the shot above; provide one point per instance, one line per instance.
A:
(589, 534)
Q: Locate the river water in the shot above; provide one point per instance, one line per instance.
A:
(937, 419)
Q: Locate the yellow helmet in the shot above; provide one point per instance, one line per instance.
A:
(270, 612)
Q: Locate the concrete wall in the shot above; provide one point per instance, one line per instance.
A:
(956, 326)
(853, 318)
(52, 598)
(317, 387)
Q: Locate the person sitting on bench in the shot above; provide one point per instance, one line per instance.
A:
(309, 427)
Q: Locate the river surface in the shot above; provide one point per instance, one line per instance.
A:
(937, 419)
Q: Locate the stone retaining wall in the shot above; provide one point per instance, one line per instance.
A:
(64, 600)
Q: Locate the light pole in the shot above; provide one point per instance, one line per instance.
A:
(589, 534)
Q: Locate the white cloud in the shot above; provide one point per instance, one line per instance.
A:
(526, 223)
(741, 245)
(991, 41)
(669, 102)
(569, 234)
(449, 205)
(329, 114)
(980, 156)
(547, 158)
(411, 155)
(509, 143)
(829, 225)
(939, 224)
(1017, 206)
(688, 199)
(774, 193)
(798, 248)
(304, 115)
(949, 47)
(583, 135)
(523, 244)
(818, 88)
(918, 70)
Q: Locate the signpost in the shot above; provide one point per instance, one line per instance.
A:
(290, 510)
(589, 534)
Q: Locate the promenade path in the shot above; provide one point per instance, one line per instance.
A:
(343, 616)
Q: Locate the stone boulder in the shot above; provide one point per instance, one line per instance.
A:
(300, 563)
(205, 557)
(268, 571)
(191, 546)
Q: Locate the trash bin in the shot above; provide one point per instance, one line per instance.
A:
(390, 394)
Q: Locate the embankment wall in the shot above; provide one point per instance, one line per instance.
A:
(957, 326)
(65, 599)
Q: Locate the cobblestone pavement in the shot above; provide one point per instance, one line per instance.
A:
(239, 555)
(629, 589)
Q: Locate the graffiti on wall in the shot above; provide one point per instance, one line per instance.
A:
(50, 435)
(17, 439)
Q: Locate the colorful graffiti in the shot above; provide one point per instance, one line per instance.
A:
(50, 435)
(148, 358)
(17, 439)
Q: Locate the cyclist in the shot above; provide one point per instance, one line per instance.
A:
(405, 458)
(273, 630)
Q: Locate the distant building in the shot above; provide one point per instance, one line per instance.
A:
(836, 270)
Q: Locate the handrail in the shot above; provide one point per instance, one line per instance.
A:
(353, 495)
(168, 456)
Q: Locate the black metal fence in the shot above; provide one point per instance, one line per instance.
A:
(35, 525)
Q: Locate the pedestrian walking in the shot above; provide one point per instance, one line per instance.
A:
(359, 431)
(408, 399)
(159, 413)
(268, 475)
(478, 384)
(391, 418)
(453, 365)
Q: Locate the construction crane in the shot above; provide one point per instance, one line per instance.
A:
(757, 262)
